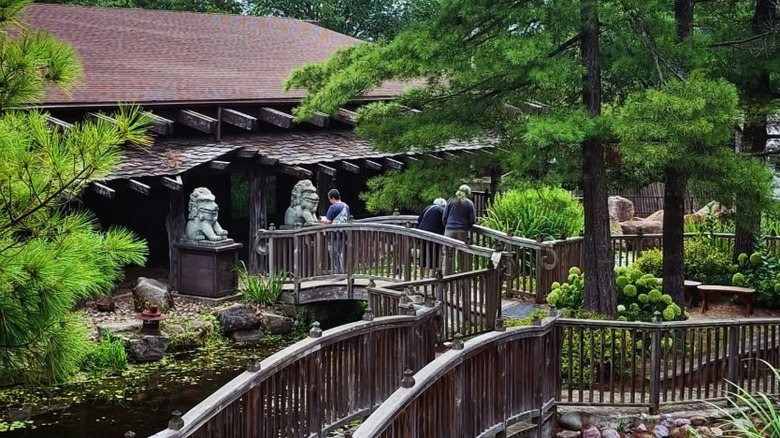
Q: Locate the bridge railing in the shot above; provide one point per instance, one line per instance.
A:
(370, 250)
(538, 264)
(635, 364)
(471, 301)
(318, 384)
(476, 389)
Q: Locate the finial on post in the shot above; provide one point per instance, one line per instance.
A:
(500, 327)
(254, 364)
(657, 317)
(457, 342)
(129, 434)
(272, 227)
(367, 314)
(315, 331)
(176, 422)
(371, 282)
(537, 321)
(408, 380)
(396, 212)
(553, 311)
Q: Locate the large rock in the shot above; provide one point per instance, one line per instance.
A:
(276, 324)
(246, 336)
(661, 431)
(150, 291)
(237, 317)
(590, 431)
(610, 433)
(118, 327)
(571, 421)
(620, 208)
(145, 348)
(645, 227)
(657, 216)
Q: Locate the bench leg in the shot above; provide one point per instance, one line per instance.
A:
(704, 304)
(749, 304)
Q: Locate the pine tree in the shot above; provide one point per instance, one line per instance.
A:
(51, 253)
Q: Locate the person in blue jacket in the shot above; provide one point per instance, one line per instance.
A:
(431, 220)
(459, 215)
(338, 213)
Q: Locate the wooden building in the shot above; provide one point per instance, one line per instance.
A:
(214, 85)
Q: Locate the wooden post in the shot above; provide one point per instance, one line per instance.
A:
(258, 213)
(174, 224)
(655, 368)
(732, 361)
(324, 183)
(349, 261)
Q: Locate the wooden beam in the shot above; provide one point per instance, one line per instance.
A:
(327, 170)
(394, 164)
(410, 159)
(485, 151)
(435, 158)
(239, 119)
(276, 117)
(467, 152)
(345, 116)
(267, 161)
(349, 167)
(320, 119)
(247, 153)
(218, 165)
(449, 155)
(373, 165)
(414, 111)
(97, 116)
(103, 190)
(138, 186)
(528, 108)
(298, 171)
(160, 125)
(173, 183)
(59, 124)
(198, 121)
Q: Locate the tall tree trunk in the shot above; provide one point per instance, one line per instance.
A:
(599, 261)
(755, 136)
(674, 192)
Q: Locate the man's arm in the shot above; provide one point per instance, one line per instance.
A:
(330, 215)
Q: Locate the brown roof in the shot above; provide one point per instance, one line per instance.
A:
(172, 156)
(151, 56)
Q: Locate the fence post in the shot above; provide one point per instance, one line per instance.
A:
(655, 367)
(350, 262)
(271, 258)
(296, 273)
(732, 361)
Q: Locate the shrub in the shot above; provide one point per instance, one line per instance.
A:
(552, 213)
(106, 358)
(640, 295)
(703, 262)
(528, 320)
(753, 414)
(259, 289)
(761, 272)
(570, 296)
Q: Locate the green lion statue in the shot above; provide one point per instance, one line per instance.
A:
(202, 224)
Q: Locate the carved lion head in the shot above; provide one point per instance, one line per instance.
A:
(202, 203)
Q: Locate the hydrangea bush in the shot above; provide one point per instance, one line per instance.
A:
(761, 272)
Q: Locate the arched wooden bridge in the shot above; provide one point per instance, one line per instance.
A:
(393, 371)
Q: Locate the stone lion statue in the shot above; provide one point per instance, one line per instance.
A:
(202, 223)
(303, 204)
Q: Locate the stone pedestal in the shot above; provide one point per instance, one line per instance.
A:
(207, 269)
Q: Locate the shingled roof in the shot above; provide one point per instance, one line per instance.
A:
(152, 56)
(176, 155)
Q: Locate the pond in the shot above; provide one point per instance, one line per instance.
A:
(140, 400)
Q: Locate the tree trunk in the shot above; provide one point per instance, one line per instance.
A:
(599, 261)
(674, 214)
(755, 135)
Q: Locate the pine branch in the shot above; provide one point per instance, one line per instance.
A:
(742, 41)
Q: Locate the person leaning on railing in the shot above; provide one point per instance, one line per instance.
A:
(431, 220)
(459, 215)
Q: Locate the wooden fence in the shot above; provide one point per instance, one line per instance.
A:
(316, 385)
(611, 363)
(476, 389)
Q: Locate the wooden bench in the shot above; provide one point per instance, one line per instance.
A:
(691, 290)
(745, 295)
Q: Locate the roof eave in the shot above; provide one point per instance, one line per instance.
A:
(181, 103)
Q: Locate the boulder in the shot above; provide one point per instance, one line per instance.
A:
(716, 432)
(614, 226)
(698, 421)
(620, 208)
(570, 421)
(641, 428)
(706, 432)
(657, 216)
(276, 324)
(145, 348)
(237, 317)
(105, 305)
(680, 422)
(568, 434)
(610, 433)
(693, 218)
(590, 431)
(246, 336)
(118, 327)
(150, 291)
(645, 227)
(661, 431)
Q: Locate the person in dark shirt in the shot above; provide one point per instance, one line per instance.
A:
(431, 220)
(338, 213)
(459, 215)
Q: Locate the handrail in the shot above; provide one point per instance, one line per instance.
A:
(423, 380)
(229, 393)
(667, 325)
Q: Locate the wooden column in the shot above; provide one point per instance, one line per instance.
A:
(175, 221)
(325, 182)
(258, 213)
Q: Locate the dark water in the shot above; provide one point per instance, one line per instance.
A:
(141, 400)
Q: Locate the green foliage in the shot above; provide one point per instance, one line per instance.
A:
(239, 195)
(640, 295)
(50, 254)
(702, 262)
(365, 19)
(257, 289)
(528, 320)
(550, 212)
(760, 271)
(570, 296)
(106, 358)
(753, 413)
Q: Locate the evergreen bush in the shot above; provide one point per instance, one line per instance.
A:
(550, 212)
(760, 271)
(702, 262)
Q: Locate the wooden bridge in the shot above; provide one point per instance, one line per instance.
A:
(394, 371)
